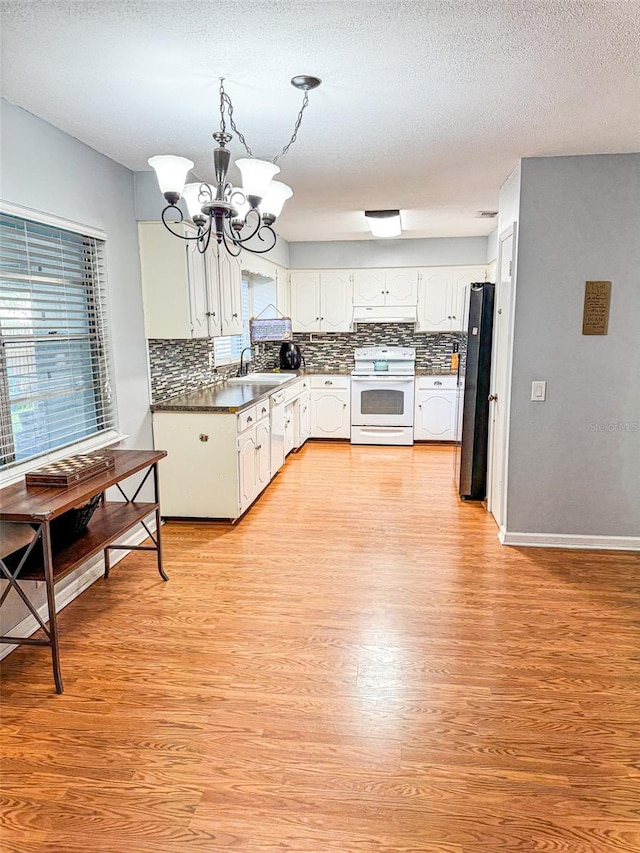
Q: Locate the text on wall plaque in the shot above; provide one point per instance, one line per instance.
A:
(597, 301)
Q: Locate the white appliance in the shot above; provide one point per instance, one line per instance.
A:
(382, 395)
(277, 431)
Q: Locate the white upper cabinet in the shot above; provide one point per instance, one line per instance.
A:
(443, 300)
(369, 287)
(401, 287)
(336, 305)
(305, 301)
(230, 289)
(434, 300)
(462, 281)
(174, 288)
(321, 301)
(385, 287)
(187, 294)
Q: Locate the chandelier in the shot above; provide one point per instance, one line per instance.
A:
(235, 216)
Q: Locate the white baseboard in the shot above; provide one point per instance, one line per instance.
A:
(93, 570)
(570, 540)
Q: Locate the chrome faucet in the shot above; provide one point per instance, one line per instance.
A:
(243, 369)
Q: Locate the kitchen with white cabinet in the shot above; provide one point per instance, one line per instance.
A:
(228, 436)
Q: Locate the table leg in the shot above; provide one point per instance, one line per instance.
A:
(51, 605)
(107, 564)
(156, 488)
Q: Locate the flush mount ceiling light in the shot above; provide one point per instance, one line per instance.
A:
(384, 223)
(235, 215)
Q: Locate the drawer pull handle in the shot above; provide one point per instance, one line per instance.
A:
(328, 382)
(249, 419)
(203, 436)
(437, 383)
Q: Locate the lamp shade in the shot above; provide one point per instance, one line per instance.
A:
(274, 198)
(171, 172)
(256, 175)
(191, 195)
(384, 223)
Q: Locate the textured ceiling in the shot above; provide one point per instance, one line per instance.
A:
(424, 106)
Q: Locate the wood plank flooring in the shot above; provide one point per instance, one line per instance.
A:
(357, 667)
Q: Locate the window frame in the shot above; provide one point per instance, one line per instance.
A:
(14, 471)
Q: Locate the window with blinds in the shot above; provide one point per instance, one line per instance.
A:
(55, 387)
(258, 292)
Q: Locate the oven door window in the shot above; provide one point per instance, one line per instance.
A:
(381, 401)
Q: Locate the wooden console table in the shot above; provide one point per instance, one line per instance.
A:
(38, 506)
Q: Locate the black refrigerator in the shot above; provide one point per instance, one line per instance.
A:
(473, 396)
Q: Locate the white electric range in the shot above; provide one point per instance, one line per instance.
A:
(382, 394)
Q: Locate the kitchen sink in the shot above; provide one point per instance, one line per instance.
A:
(264, 378)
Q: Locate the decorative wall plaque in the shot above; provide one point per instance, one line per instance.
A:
(597, 301)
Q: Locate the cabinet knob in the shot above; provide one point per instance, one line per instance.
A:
(344, 405)
(258, 447)
(249, 419)
(264, 409)
(203, 436)
(317, 318)
(493, 398)
(234, 315)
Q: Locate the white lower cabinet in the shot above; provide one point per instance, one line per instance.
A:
(435, 409)
(330, 407)
(217, 464)
(304, 413)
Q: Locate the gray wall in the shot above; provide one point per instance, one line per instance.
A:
(389, 253)
(150, 201)
(574, 462)
(46, 170)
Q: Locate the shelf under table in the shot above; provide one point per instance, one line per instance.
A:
(110, 521)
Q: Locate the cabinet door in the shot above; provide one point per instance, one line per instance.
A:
(263, 455)
(435, 415)
(330, 416)
(434, 300)
(165, 289)
(289, 428)
(305, 301)
(213, 293)
(197, 286)
(402, 287)
(462, 280)
(305, 418)
(369, 287)
(336, 301)
(247, 473)
(230, 278)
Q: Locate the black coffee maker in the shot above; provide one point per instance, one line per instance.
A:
(290, 356)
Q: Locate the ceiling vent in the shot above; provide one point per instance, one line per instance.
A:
(486, 214)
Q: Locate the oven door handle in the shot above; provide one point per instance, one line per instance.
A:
(397, 380)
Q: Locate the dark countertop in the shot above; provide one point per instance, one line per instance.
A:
(231, 397)
(223, 398)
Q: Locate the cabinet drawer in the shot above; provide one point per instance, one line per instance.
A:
(332, 382)
(247, 418)
(436, 383)
(296, 389)
(262, 409)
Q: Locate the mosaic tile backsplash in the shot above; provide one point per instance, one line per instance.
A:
(178, 366)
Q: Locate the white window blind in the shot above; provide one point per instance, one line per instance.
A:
(54, 361)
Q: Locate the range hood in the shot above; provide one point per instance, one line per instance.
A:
(384, 314)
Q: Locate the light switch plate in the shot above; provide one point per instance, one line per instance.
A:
(538, 391)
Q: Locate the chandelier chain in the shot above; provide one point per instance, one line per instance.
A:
(225, 101)
(296, 128)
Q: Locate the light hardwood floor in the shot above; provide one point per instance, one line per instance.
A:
(357, 667)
